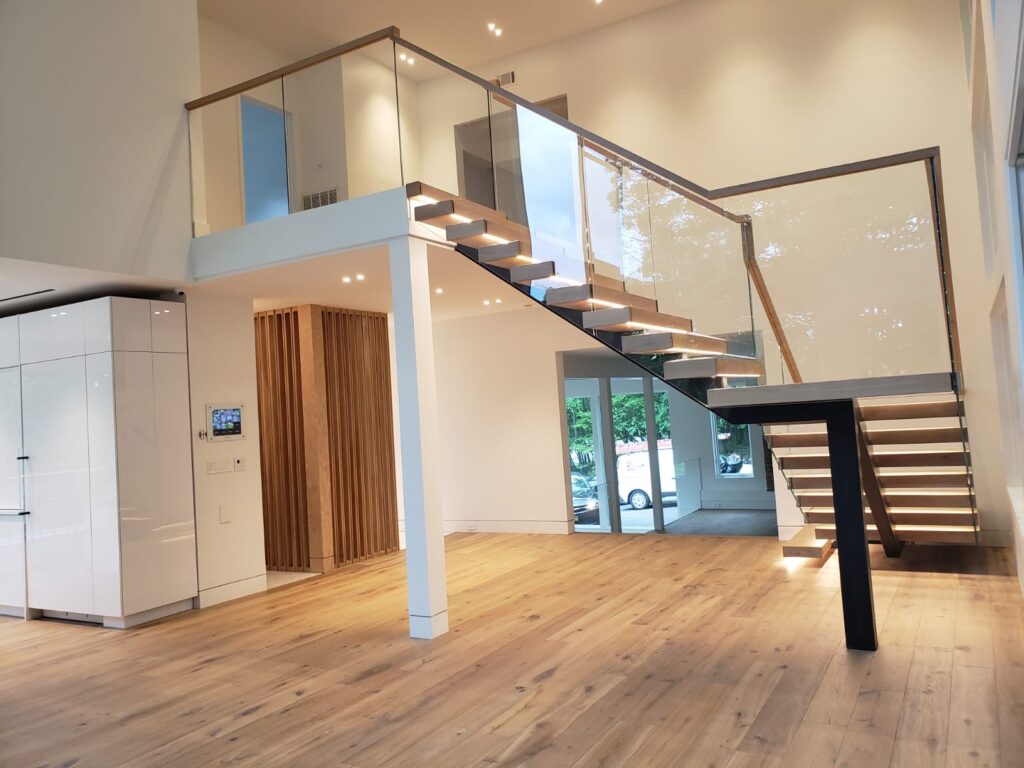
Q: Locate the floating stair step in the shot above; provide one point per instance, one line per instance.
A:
(480, 233)
(456, 210)
(626, 319)
(957, 498)
(894, 411)
(425, 194)
(510, 254)
(655, 343)
(713, 367)
(947, 479)
(922, 534)
(524, 274)
(940, 517)
(909, 436)
(588, 297)
(940, 458)
(807, 544)
(914, 435)
(616, 284)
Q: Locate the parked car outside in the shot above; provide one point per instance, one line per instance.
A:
(584, 500)
(635, 477)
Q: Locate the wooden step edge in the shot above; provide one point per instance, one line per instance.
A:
(631, 319)
(806, 544)
(590, 297)
(925, 534)
(665, 343)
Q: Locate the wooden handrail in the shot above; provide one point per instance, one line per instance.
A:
(754, 270)
(388, 33)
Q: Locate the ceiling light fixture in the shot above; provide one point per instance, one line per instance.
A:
(346, 279)
(360, 277)
(497, 32)
(487, 302)
(497, 301)
(439, 291)
(491, 26)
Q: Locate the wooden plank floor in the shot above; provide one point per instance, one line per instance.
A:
(564, 651)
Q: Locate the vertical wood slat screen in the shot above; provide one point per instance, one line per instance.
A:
(282, 450)
(357, 372)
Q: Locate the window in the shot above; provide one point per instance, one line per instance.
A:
(733, 455)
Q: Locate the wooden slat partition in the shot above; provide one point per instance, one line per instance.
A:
(358, 382)
(282, 449)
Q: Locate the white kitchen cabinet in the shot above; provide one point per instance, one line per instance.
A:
(12, 562)
(105, 419)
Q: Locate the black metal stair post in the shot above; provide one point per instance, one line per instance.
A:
(851, 534)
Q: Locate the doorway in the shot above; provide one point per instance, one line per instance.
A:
(264, 161)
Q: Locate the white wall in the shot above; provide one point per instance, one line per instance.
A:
(502, 455)
(93, 134)
(229, 505)
(996, 38)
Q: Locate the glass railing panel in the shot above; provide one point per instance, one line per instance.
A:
(851, 266)
(538, 184)
(618, 222)
(700, 272)
(239, 160)
(446, 134)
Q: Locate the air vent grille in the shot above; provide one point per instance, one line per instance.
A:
(320, 199)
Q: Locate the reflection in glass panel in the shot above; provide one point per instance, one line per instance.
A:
(264, 166)
(588, 486)
(618, 221)
(733, 452)
(850, 263)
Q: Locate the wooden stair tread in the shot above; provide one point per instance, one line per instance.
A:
(902, 516)
(921, 410)
(628, 319)
(588, 297)
(888, 480)
(663, 342)
(941, 458)
(483, 232)
(896, 436)
(944, 534)
(510, 254)
(712, 367)
(807, 544)
(522, 274)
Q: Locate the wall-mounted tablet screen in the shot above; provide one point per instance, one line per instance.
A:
(225, 421)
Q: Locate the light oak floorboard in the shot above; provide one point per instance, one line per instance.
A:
(563, 651)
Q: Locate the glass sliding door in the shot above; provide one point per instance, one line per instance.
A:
(591, 504)
(637, 483)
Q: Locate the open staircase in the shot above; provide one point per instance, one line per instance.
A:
(916, 451)
(632, 324)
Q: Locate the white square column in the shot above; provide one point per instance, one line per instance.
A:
(417, 423)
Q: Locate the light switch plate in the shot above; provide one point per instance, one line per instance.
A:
(239, 463)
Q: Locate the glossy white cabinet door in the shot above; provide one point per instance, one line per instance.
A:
(57, 476)
(106, 537)
(12, 563)
(52, 334)
(177, 529)
(168, 322)
(138, 493)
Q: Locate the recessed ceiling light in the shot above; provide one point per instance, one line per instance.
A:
(410, 60)
(491, 26)
(487, 302)
(497, 301)
(402, 56)
(360, 277)
(439, 291)
(346, 279)
(497, 32)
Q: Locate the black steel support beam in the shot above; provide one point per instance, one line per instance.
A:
(851, 535)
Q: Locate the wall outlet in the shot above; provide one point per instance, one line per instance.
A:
(239, 463)
(470, 526)
(216, 467)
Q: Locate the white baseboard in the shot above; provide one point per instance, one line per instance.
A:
(232, 591)
(143, 617)
(508, 526)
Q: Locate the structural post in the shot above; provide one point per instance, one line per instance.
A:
(851, 536)
(611, 470)
(653, 455)
(418, 424)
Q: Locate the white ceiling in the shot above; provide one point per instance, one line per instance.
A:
(465, 285)
(453, 29)
(66, 285)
